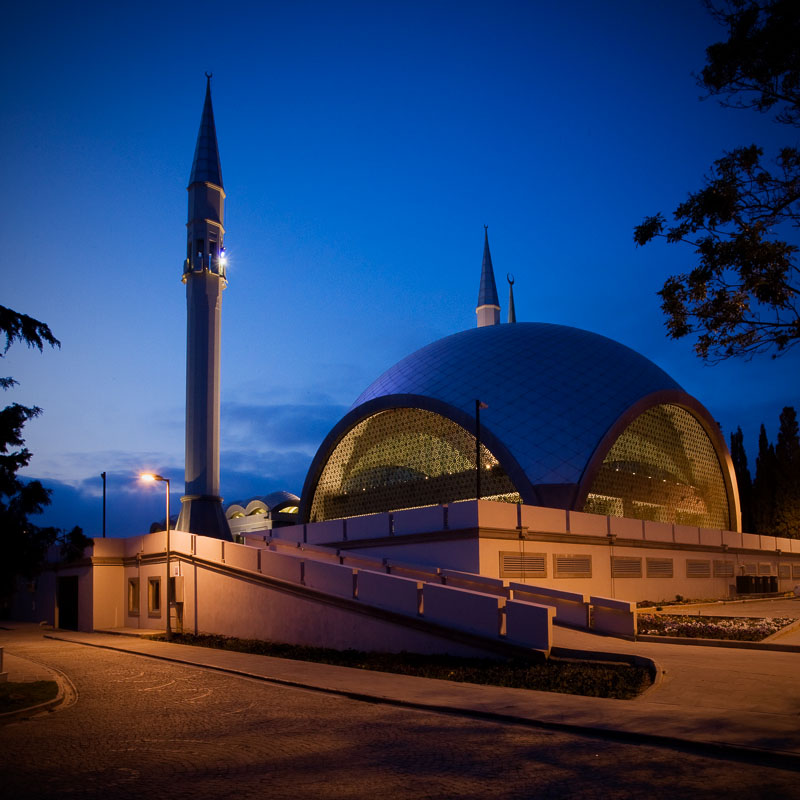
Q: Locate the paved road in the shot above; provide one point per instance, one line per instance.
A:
(142, 727)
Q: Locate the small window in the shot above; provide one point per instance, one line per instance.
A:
(698, 569)
(133, 596)
(723, 569)
(659, 568)
(523, 565)
(154, 597)
(784, 571)
(626, 567)
(567, 566)
(796, 570)
(764, 568)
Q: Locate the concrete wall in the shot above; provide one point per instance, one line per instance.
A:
(460, 554)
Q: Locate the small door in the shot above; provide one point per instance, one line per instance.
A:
(67, 602)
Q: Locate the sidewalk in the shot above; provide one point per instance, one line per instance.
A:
(724, 700)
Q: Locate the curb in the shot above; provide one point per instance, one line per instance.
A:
(29, 711)
(67, 694)
(732, 643)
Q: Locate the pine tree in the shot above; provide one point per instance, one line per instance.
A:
(787, 476)
(743, 479)
(763, 507)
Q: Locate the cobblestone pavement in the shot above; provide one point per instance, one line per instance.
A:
(142, 727)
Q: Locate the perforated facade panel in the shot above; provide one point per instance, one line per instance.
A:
(663, 467)
(405, 458)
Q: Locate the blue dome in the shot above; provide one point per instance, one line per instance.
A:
(552, 391)
(569, 419)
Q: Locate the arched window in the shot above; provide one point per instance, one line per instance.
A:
(405, 458)
(662, 467)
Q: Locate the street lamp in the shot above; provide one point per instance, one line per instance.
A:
(478, 406)
(150, 478)
(103, 476)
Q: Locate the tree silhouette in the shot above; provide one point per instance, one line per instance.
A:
(24, 543)
(742, 296)
(743, 479)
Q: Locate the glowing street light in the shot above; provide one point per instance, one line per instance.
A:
(150, 477)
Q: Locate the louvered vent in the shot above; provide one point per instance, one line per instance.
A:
(572, 566)
(698, 569)
(523, 565)
(723, 569)
(749, 569)
(784, 571)
(625, 567)
(659, 568)
(764, 568)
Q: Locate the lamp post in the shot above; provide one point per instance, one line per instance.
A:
(478, 406)
(103, 476)
(150, 477)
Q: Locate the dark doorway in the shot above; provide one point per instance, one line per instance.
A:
(67, 602)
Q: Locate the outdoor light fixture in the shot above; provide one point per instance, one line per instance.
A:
(478, 406)
(151, 477)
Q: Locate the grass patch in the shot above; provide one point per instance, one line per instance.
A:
(741, 629)
(592, 679)
(14, 696)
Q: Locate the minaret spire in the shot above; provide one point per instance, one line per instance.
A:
(204, 276)
(512, 312)
(488, 309)
(205, 166)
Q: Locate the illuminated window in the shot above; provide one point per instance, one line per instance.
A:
(663, 468)
(154, 597)
(289, 510)
(405, 458)
(133, 596)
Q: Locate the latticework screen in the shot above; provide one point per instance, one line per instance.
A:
(663, 467)
(405, 458)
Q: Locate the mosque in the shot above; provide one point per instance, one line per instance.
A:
(489, 484)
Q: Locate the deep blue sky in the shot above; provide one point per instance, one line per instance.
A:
(364, 145)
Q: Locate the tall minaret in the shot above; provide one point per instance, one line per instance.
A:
(204, 276)
(488, 309)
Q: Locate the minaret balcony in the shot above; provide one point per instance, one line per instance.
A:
(200, 263)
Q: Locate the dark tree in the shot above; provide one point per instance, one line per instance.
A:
(741, 298)
(73, 544)
(763, 509)
(743, 479)
(787, 476)
(23, 543)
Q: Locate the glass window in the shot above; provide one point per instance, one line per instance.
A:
(405, 458)
(154, 597)
(133, 595)
(663, 467)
